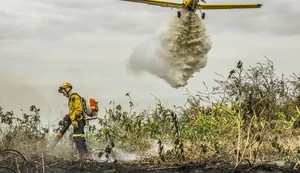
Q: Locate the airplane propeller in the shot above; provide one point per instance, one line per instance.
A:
(202, 13)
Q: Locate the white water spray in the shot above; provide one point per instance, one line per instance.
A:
(180, 51)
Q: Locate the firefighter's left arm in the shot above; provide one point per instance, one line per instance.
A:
(75, 106)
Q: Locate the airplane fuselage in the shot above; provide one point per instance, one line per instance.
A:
(190, 4)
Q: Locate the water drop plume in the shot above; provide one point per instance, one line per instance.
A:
(179, 52)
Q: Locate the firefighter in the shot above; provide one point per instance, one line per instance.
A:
(74, 118)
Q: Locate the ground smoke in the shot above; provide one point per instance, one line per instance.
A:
(179, 52)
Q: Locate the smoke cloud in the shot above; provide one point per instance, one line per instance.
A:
(177, 54)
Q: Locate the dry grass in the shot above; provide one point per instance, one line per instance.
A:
(255, 120)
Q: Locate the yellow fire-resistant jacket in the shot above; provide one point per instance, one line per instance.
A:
(75, 107)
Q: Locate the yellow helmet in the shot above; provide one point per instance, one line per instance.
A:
(65, 86)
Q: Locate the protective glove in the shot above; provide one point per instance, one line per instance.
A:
(66, 118)
(75, 124)
(61, 122)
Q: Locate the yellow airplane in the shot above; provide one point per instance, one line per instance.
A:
(192, 5)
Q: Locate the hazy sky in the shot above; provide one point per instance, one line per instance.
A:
(87, 42)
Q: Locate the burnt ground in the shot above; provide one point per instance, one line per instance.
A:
(135, 167)
(13, 161)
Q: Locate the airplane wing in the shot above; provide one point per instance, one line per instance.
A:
(227, 6)
(161, 3)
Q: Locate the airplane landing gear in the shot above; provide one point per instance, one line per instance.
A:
(203, 16)
(178, 14)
